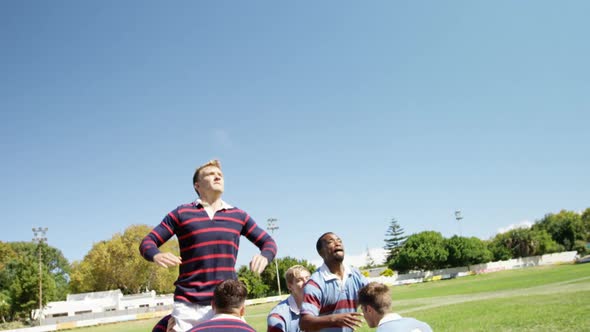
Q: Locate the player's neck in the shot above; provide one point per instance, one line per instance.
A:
(336, 268)
(212, 199)
(298, 300)
(235, 313)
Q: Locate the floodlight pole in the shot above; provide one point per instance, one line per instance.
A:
(272, 226)
(39, 237)
(458, 216)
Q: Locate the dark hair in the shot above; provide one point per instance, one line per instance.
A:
(229, 295)
(320, 243)
(377, 296)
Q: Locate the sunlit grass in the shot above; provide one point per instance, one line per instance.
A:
(549, 298)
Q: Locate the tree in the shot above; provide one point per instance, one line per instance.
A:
(19, 278)
(498, 247)
(522, 242)
(586, 222)
(394, 240)
(544, 243)
(465, 251)
(117, 264)
(6, 255)
(269, 275)
(565, 227)
(422, 251)
(254, 284)
(4, 305)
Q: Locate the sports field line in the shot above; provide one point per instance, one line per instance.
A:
(568, 286)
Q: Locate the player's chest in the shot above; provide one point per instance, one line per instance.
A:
(201, 226)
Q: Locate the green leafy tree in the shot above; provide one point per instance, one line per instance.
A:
(465, 251)
(254, 284)
(586, 223)
(6, 256)
(394, 240)
(117, 264)
(522, 242)
(544, 242)
(52, 261)
(4, 305)
(269, 275)
(19, 278)
(565, 227)
(422, 251)
(498, 247)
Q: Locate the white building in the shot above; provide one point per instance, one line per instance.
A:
(99, 302)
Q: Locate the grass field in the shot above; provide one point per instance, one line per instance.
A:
(550, 298)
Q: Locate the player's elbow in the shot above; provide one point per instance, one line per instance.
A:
(306, 323)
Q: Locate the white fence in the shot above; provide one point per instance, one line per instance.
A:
(516, 263)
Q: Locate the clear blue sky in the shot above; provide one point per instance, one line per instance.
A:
(328, 115)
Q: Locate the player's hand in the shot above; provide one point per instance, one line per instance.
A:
(349, 319)
(166, 259)
(171, 323)
(258, 264)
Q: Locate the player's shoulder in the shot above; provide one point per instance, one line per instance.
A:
(316, 275)
(236, 212)
(280, 308)
(190, 205)
(315, 280)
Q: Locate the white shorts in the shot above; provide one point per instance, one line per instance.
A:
(188, 315)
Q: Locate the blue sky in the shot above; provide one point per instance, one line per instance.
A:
(328, 115)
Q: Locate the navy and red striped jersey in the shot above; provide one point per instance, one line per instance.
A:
(223, 325)
(162, 325)
(208, 247)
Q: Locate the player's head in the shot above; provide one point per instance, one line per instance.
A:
(330, 247)
(297, 276)
(208, 178)
(229, 297)
(375, 302)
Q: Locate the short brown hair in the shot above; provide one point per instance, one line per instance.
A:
(294, 272)
(376, 295)
(213, 162)
(229, 295)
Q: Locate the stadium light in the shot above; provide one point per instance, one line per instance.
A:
(458, 216)
(39, 237)
(272, 226)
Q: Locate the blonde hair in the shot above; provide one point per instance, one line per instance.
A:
(294, 272)
(213, 162)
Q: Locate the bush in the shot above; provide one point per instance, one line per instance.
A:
(387, 273)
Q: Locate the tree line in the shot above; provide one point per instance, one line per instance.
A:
(116, 263)
(429, 250)
(110, 264)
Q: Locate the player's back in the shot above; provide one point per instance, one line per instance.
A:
(223, 325)
(405, 324)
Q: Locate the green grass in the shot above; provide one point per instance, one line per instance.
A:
(551, 298)
(133, 326)
(497, 281)
(554, 312)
